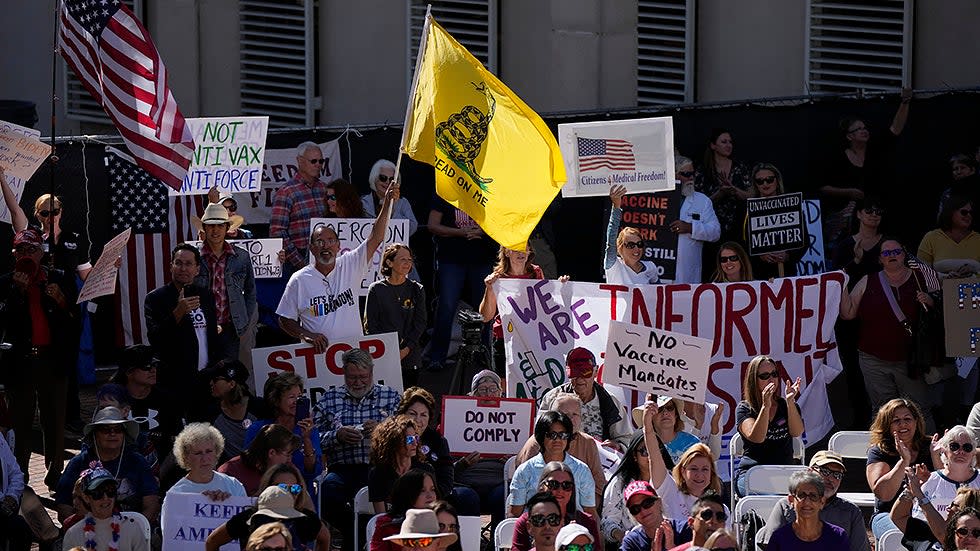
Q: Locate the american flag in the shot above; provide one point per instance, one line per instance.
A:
(929, 276)
(115, 59)
(594, 154)
(159, 222)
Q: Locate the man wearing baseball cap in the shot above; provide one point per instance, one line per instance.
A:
(837, 511)
(645, 506)
(601, 411)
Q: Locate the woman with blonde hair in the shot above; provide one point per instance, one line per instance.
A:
(624, 262)
(270, 536)
(732, 264)
(767, 422)
(511, 264)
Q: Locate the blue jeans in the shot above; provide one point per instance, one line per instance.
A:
(881, 523)
(456, 282)
(466, 501)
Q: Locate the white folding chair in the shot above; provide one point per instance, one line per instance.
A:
(503, 536)
(510, 467)
(891, 541)
(141, 522)
(761, 505)
(372, 525)
(770, 479)
(853, 444)
(736, 447)
(470, 528)
(362, 506)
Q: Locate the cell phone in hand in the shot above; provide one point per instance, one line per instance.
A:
(302, 407)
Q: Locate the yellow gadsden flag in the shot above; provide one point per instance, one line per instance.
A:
(495, 159)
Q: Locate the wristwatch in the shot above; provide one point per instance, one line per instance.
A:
(924, 500)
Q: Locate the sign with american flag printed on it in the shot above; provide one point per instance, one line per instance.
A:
(638, 154)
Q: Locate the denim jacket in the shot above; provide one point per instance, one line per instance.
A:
(239, 286)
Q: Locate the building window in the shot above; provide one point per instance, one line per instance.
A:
(858, 45)
(665, 52)
(473, 23)
(278, 61)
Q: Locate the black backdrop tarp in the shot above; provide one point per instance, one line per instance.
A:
(798, 137)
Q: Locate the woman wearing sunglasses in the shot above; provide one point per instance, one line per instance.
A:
(806, 495)
(416, 489)
(635, 465)
(343, 201)
(103, 527)
(557, 480)
(553, 432)
(732, 264)
(953, 249)
(887, 306)
(395, 448)
(963, 531)
(920, 512)
(448, 523)
(623, 263)
(653, 532)
(574, 537)
(381, 176)
(767, 181)
(767, 422)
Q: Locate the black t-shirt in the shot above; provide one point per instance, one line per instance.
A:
(876, 455)
(70, 251)
(460, 250)
(382, 478)
(159, 422)
(303, 529)
(777, 448)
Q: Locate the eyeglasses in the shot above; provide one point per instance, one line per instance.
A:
(686, 173)
(327, 241)
(566, 485)
(316, 161)
(706, 515)
(552, 435)
(891, 252)
(668, 407)
(155, 364)
(733, 258)
(645, 504)
(46, 213)
(956, 446)
(486, 390)
(100, 493)
(111, 429)
(577, 547)
(331, 197)
(966, 212)
(633, 244)
(294, 489)
(813, 497)
(416, 542)
(964, 532)
(829, 473)
(553, 519)
(411, 439)
(384, 178)
(766, 180)
(874, 210)
(454, 528)
(767, 375)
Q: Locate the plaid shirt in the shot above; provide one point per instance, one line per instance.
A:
(293, 205)
(337, 408)
(216, 268)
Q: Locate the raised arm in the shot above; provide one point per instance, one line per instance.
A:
(488, 306)
(381, 222)
(902, 115)
(658, 469)
(794, 419)
(616, 194)
(17, 217)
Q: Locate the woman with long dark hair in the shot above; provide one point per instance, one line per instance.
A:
(274, 444)
(415, 489)
(725, 181)
(557, 479)
(635, 465)
(343, 201)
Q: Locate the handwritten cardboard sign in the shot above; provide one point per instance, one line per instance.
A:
(322, 371)
(228, 153)
(21, 153)
(776, 224)
(961, 310)
(16, 184)
(495, 427)
(264, 254)
(187, 520)
(653, 360)
(102, 279)
(651, 214)
(354, 231)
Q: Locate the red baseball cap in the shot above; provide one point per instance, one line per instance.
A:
(638, 488)
(580, 362)
(30, 236)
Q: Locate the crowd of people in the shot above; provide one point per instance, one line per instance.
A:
(183, 415)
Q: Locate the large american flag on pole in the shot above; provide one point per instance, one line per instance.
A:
(140, 201)
(113, 56)
(595, 153)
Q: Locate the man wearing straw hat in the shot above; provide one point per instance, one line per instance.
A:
(227, 271)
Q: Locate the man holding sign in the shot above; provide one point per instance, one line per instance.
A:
(319, 302)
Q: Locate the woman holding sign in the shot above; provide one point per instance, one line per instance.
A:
(767, 181)
(624, 262)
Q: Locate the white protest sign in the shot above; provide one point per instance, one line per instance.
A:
(264, 254)
(322, 371)
(20, 154)
(228, 153)
(813, 261)
(608, 458)
(661, 362)
(187, 520)
(279, 168)
(637, 153)
(102, 279)
(16, 184)
(354, 231)
(495, 427)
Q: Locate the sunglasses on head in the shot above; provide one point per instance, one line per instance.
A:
(552, 435)
(566, 485)
(836, 475)
(723, 549)
(633, 244)
(46, 213)
(891, 252)
(577, 547)
(645, 504)
(706, 515)
(766, 180)
(732, 258)
(294, 489)
(384, 178)
(102, 491)
(767, 375)
(956, 446)
(316, 161)
(964, 532)
(874, 210)
(411, 439)
(553, 519)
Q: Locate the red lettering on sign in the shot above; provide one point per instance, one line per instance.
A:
(801, 313)
(773, 300)
(613, 289)
(279, 360)
(332, 356)
(671, 317)
(308, 354)
(374, 347)
(735, 318)
(639, 315)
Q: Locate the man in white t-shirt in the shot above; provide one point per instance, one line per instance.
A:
(319, 303)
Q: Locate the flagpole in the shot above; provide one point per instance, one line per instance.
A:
(415, 83)
(55, 50)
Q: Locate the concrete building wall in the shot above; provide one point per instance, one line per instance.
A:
(945, 46)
